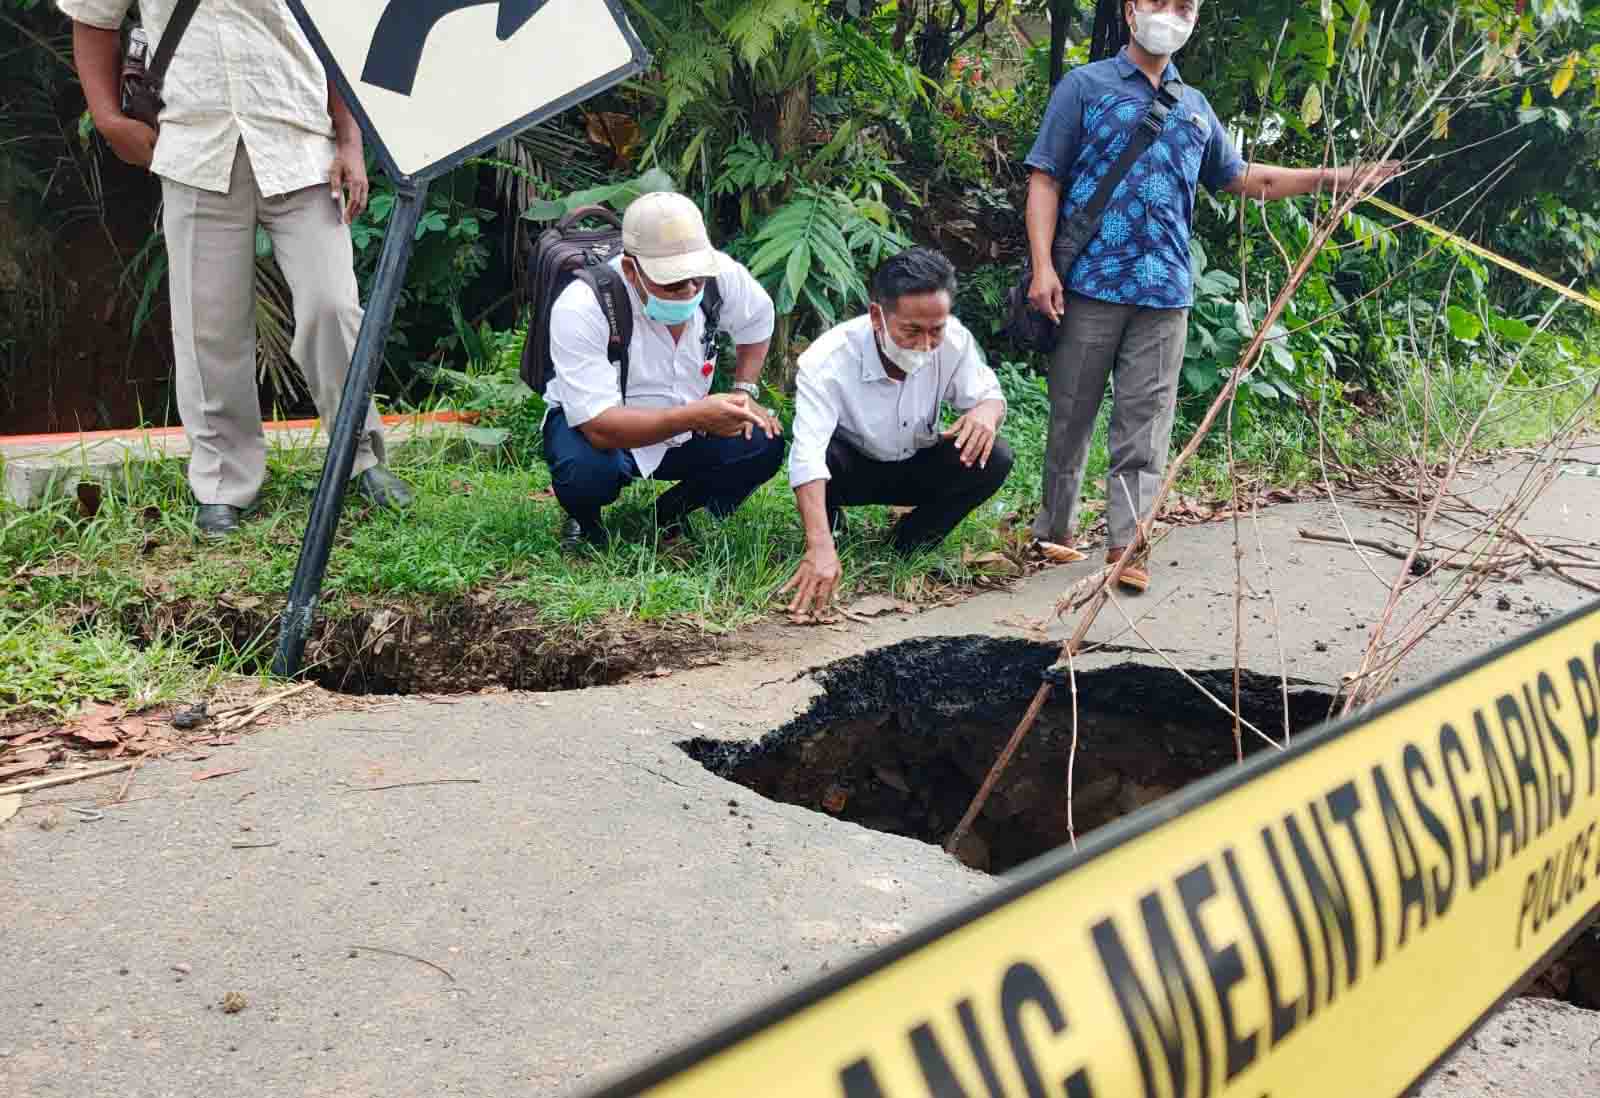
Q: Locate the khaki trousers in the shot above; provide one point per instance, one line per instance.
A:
(211, 255)
(1141, 351)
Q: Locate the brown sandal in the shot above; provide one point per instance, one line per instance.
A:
(1136, 576)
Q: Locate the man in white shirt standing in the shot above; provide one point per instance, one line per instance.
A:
(866, 423)
(719, 447)
(252, 134)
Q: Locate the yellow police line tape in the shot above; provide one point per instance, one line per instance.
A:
(1484, 253)
(1324, 922)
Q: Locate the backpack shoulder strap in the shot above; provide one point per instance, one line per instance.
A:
(182, 12)
(612, 293)
(711, 306)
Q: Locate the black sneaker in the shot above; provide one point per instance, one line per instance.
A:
(217, 520)
(577, 538)
(384, 489)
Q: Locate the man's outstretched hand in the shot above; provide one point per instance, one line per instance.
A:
(815, 583)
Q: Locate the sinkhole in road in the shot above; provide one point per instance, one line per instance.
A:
(902, 738)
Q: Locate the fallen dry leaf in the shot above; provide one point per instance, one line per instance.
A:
(10, 805)
(1059, 554)
(98, 737)
(26, 763)
(233, 1002)
(98, 724)
(994, 563)
(874, 605)
(33, 737)
(207, 775)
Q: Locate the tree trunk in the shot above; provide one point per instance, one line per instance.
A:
(1110, 30)
(1062, 13)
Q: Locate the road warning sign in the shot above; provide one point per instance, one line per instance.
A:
(1325, 922)
(437, 81)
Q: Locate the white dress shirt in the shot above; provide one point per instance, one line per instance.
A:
(661, 373)
(243, 71)
(842, 387)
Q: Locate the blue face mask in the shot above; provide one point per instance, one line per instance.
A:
(665, 311)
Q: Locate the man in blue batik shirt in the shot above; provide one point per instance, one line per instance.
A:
(1125, 303)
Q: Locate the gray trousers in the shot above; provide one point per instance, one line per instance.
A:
(211, 252)
(1141, 351)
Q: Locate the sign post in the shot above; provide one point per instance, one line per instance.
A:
(436, 82)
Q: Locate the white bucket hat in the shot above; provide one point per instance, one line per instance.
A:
(666, 234)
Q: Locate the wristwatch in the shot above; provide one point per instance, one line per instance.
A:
(749, 387)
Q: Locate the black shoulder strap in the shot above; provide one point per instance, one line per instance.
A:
(711, 306)
(182, 12)
(1155, 120)
(612, 293)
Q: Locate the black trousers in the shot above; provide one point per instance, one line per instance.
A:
(933, 481)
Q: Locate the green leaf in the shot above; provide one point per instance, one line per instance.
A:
(1202, 379)
(1265, 390)
(1512, 329)
(1241, 320)
(1464, 325)
(798, 268)
(1311, 106)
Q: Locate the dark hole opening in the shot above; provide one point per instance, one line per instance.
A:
(904, 735)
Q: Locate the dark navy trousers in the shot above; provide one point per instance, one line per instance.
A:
(716, 473)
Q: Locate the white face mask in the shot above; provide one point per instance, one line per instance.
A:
(907, 360)
(1161, 33)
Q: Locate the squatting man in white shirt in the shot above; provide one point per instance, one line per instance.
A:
(719, 447)
(866, 424)
(252, 134)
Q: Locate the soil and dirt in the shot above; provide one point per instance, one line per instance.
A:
(455, 646)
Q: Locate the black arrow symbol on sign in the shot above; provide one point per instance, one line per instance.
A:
(396, 48)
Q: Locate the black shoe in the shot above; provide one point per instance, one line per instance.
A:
(384, 489)
(576, 537)
(217, 520)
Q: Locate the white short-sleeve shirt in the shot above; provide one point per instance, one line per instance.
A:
(843, 388)
(661, 373)
(243, 71)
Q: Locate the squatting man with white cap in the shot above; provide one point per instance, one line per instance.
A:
(1123, 304)
(866, 424)
(718, 447)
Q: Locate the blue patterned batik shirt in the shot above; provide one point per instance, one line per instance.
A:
(1141, 254)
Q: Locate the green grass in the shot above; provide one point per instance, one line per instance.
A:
(487, 525)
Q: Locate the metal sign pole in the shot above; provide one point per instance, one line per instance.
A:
(345, 437)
